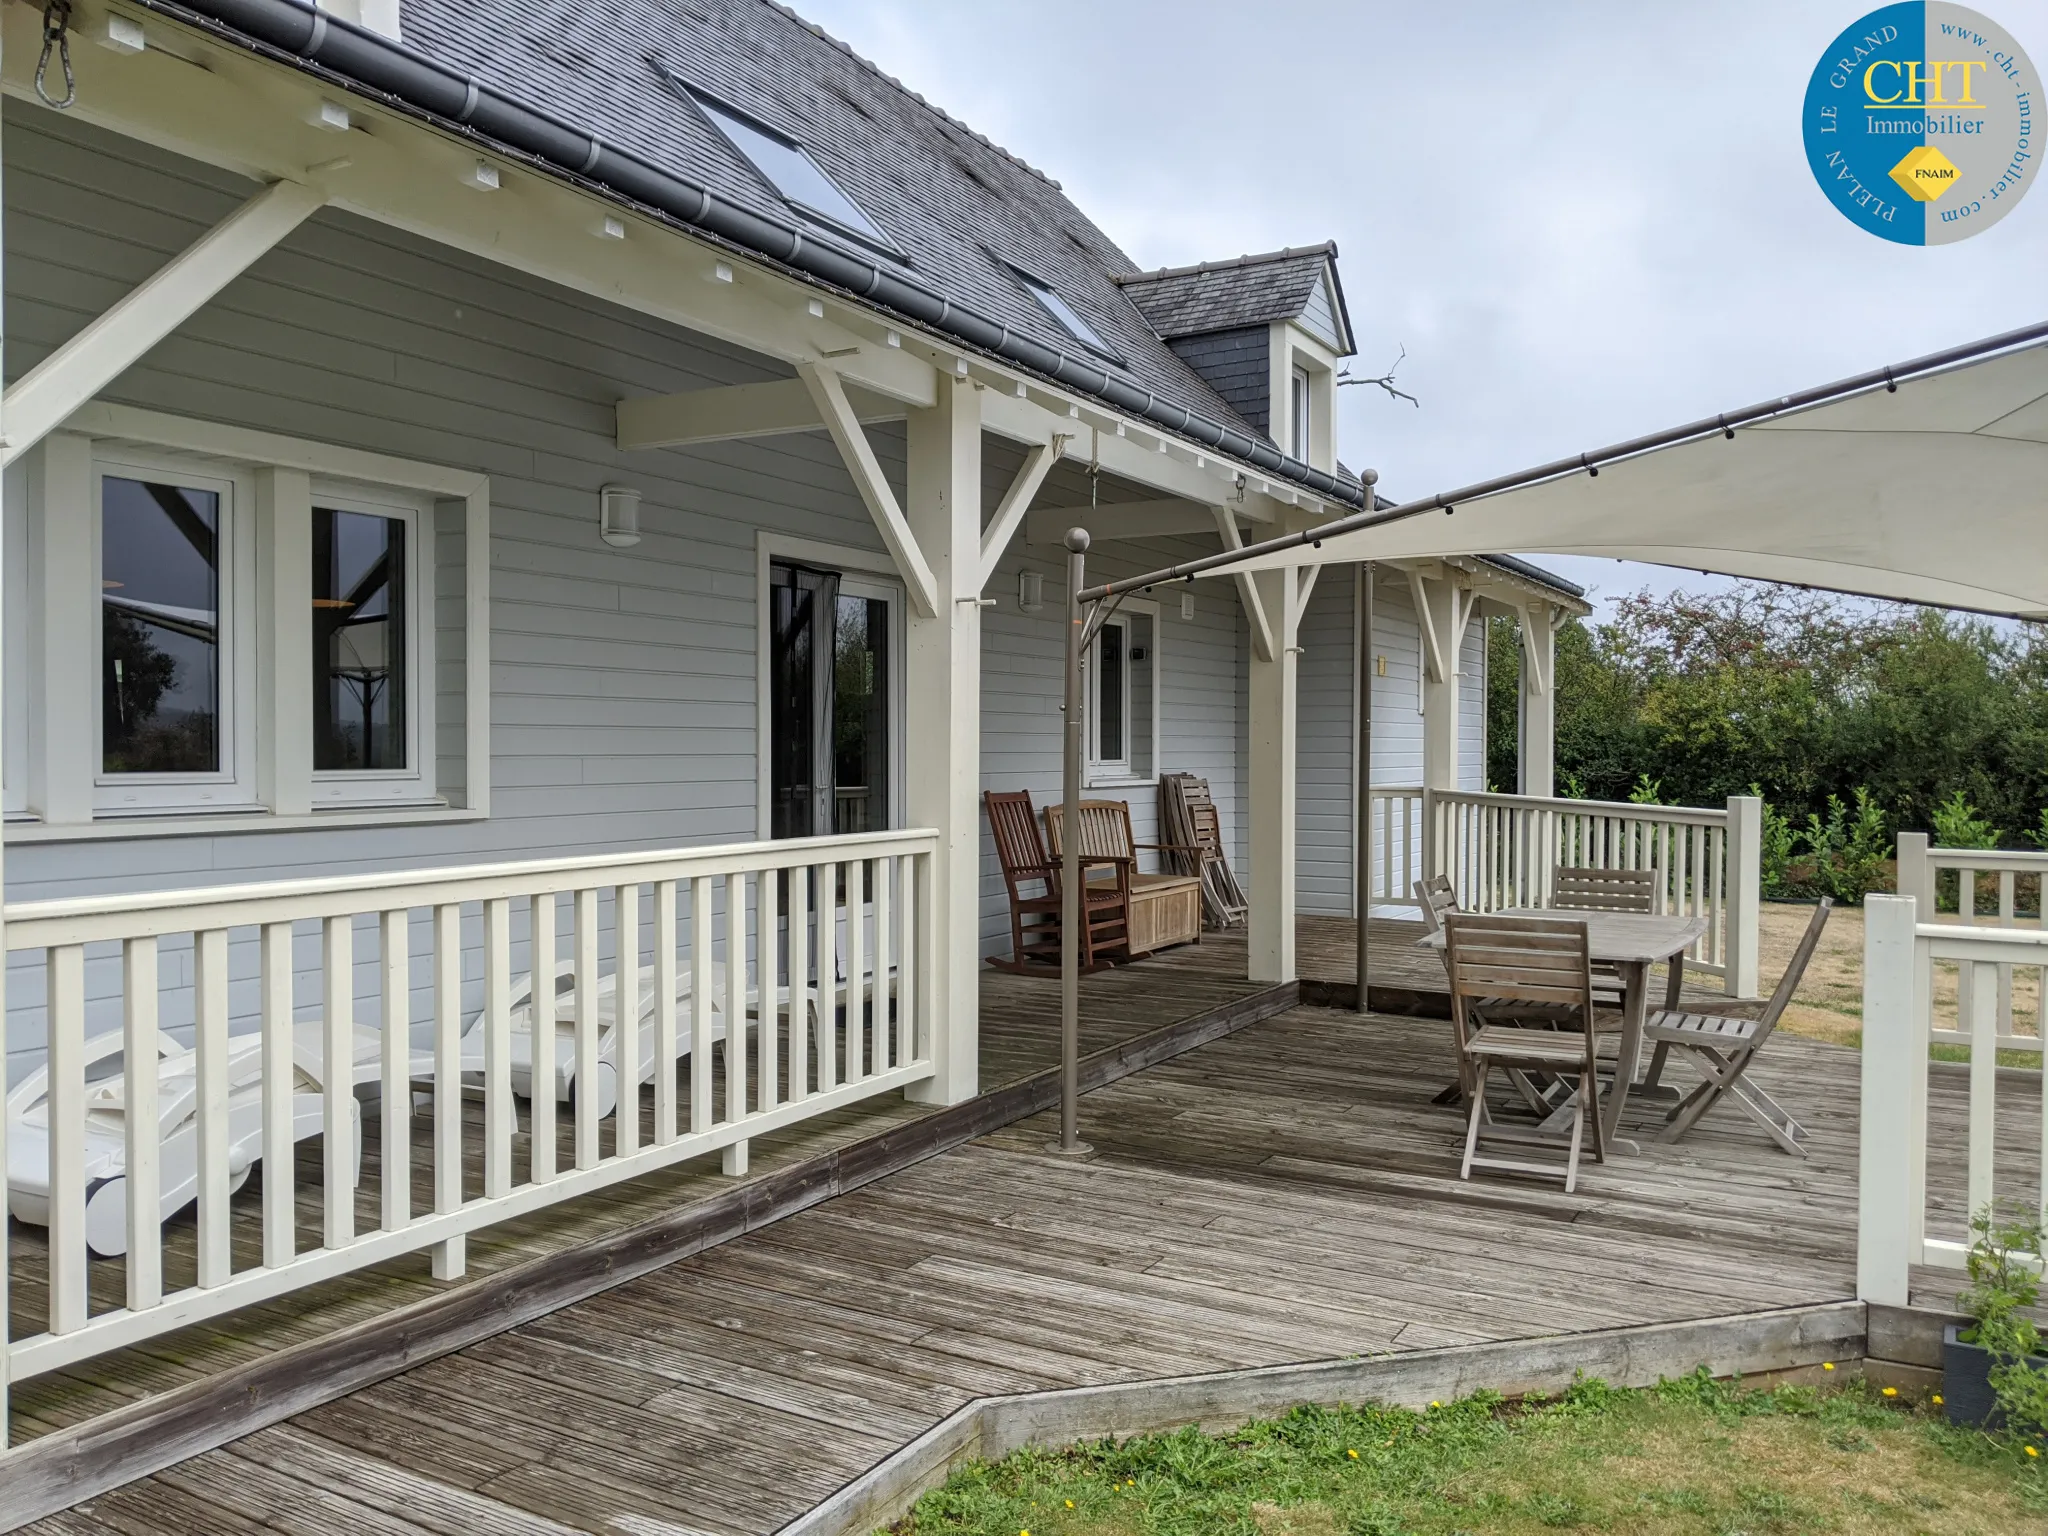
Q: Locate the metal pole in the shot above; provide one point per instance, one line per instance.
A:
(1362, 876)
(1071, 888)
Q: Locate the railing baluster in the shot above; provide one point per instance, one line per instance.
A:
(626, 1016)
(141, 1124)
(767, 1091)
(798, 959)
(824, 998)
(395, 1059)
(280, 1196)
(450, 1257)
(210, 1028)
(2006, 909)
(856, 965)
(915, 1043)
(701, 1003)
(665, 1042)
(66, 1110)
(498, 1110)
(886, 1055)
(736, 1026)
(1983, 1083)
(337, 1083)
(541, 1038)
(588, 1057)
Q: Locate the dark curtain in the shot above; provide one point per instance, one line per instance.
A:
(803, 641)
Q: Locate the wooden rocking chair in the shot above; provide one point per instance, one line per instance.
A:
(1035, 918)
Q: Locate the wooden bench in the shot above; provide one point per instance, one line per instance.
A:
(1165, 909)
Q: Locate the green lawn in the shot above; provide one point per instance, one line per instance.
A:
(1692, 1456)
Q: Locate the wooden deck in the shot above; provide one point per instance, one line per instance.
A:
(1020, 1035)
(1287, 1193)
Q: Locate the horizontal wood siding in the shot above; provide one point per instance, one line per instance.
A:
(623, 681)
(1324, 789)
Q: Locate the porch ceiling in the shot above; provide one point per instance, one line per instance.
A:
(1933, 491)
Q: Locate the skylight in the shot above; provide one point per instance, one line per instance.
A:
(788, 167)
(1065, 313)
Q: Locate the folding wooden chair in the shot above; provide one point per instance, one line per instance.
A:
(1576, 888)
(1723, 1050)
(1518, 961)
(1437, 897)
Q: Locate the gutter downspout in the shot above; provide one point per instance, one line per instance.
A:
(294, 32)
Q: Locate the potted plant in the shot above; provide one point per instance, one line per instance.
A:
(1992, 1372)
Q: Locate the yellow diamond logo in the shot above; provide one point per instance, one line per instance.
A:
(1925, 173)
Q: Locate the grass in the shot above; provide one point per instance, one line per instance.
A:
(1687, 1458)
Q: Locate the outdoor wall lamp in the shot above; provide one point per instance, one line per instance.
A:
(618, 515)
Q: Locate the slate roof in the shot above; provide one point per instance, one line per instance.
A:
(1223, 295)
(960, 211)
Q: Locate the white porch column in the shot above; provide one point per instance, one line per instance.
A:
(1536, 740)
(1271, 774)
(942, 720)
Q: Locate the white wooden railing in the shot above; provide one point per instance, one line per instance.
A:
(1921, 868)
(1904, 1014)
(1396, 843)
(1501, 850)
(269, 984)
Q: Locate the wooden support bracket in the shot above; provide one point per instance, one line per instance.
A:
(69, 377)
(844, 425)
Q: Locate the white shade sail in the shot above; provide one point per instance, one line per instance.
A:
(1935, 492)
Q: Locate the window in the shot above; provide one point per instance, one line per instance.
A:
(831, 703)
(172, 644)
(209, 619)
(1069, 319)
(370, 717)
(1121, 698)
(1299, 411)
(788, 167)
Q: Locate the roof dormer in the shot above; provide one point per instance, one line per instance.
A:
(1266, 332)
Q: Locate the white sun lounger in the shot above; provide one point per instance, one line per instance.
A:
(608, 1041)
(106, 1146)
(607, 1013)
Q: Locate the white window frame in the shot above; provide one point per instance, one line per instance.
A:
(1301, 411)
(1100, 772)
(53, 764)
(415, 781)
(232, 787)
(862, 573)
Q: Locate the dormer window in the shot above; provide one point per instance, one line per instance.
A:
(785, 165)
(1299, 411)
(1069, 319)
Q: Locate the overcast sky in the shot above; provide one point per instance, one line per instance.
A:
(1583, 221)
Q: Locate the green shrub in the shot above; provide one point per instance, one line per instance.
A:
(2003, 1252)
(1845, 854)
(1780, 843)
(1957, 825)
